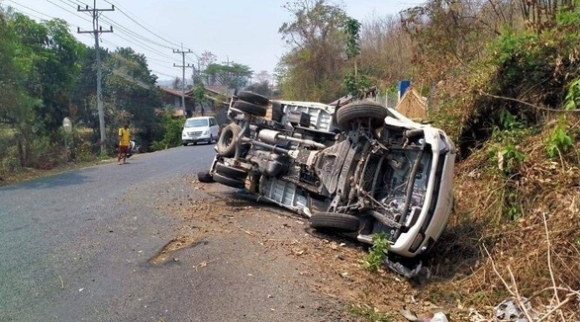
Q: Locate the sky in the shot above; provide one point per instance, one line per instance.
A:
(244, 32)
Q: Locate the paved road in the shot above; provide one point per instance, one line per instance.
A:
(75, 247)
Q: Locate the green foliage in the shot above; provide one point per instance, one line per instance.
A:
(512, 207)
(504, 149)
(572, 99)
(356, 84)
(46, 74)
(172, 133)
(511, 157)
(374, 259)
(232, 75)
(371, 315)
(351, 29)
(558, 141)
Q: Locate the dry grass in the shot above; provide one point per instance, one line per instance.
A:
(550, 189)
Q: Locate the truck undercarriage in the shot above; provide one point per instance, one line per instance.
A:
(358, 169)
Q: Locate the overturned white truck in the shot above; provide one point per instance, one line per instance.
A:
(359, 169)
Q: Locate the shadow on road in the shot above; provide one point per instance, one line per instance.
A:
(55, 181)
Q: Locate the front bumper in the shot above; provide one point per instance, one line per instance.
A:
(195, 138)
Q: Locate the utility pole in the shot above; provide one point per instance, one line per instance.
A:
(183, 67)
(97, 30)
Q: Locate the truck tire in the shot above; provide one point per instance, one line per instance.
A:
(334, 222)
(253, 98)
(250, 108)
(361, 111)
(234, 183)
(204, 177)
(226, 147)
(230, 172)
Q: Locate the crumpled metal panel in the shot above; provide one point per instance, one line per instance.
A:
(283, 193)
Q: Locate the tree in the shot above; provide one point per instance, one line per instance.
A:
(199, 95)
(131, 95)
(354, 82)
(40, 68)
(49, 56)
(205, 59)
(176, 84)
(385, 51)
(234, 75)
(314, 64)
(263, 77)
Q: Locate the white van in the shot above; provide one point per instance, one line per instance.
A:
(196, 129)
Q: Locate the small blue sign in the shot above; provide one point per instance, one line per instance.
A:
(403, 85)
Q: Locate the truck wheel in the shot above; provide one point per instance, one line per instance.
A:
(226, 147)
(234, 183)
(253, 98)
(335, 222)
(362, 111)
(250, 108)
(230, 172)
(204, 177)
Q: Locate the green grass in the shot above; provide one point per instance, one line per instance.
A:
(371, 315)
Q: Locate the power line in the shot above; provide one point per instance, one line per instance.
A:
(135, 21)
(143, 45)
(131, 37)
(160, 73)
(23, 6)
(66, 10)
(137, 39)
(149, 59)
(127, 31)
(136, 35)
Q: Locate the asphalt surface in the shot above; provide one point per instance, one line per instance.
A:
(76, 247)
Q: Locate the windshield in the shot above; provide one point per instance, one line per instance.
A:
(196, 123)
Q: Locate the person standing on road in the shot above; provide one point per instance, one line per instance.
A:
(124, 141)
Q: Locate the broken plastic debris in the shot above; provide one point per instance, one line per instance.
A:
(508, 310)
(407, 314)
(439, 317)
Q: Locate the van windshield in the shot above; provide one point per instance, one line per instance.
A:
(196, 123)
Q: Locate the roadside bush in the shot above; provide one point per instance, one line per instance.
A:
(172, 133)
(373, 261)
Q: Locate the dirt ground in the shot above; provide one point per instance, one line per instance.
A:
(332, 262)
